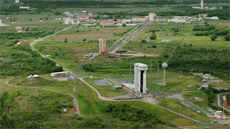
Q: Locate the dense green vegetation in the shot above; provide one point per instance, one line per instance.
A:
(194, 59)
(127, 113)
(21, 60)
(16, 35)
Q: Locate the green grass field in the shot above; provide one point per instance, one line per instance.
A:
(176, 105)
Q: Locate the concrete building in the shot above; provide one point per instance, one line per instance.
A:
(24, 7)
(57, 74)
(152, 16)
(139, 19)
(102, 47)
(83, 13)
(166, 40)
(16, 1)
(84, 18)
(201, 5)
(70, 21)
(140, 71)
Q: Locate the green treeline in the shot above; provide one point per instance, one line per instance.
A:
(205, 30)
(16, 35)
(23, 61)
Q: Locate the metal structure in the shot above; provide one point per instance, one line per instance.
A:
(164, 66)
(74, 97)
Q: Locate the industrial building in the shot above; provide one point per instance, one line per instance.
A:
(19, 28)
(102, 47)
(152, 16)
(70, 21)
(57, 74)
(183, 19)
(139, 86)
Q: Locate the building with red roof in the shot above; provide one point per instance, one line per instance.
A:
(23, 43)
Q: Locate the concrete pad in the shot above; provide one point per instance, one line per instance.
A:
(102, 82)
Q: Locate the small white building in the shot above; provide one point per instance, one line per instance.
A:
(70, 21)
(24, 7)
(16, 1)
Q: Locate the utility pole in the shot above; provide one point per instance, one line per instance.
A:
(151, 79)
(74, 97)
(157, 86)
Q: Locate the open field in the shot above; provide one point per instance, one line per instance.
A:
(177, 106)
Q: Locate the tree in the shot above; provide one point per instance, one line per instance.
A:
(84, 39)
(143, 41)
(123, 25)
(47, 18)
(40, 18)
(227, 37)
(154, 46)
(213, 37)
(153, 36)
(65, 40)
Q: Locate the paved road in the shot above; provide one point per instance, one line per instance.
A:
(137, 32)
(78, 111)
(219, 101)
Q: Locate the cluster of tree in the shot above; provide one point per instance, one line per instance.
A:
(189, 11)
(203, 27)
(228, 99)
(127, 113)
(202, 60)
(206, 30)
(16, 35)
(25, 61)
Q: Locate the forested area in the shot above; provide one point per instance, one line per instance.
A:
(21, 60)
(194, 59)
(127, 113)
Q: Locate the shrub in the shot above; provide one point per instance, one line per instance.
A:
(153, 36)
(227, 37)
(213, 37)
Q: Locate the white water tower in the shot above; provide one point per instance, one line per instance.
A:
(164, 66)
